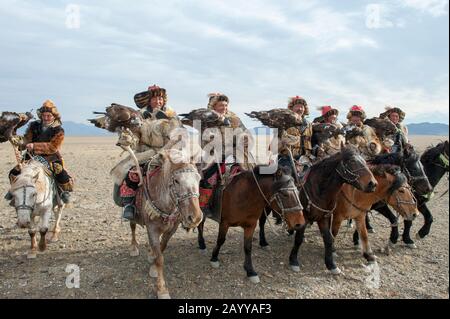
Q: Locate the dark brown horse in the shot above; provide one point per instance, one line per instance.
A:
(433, 165)
(318, 196)
(393, 189)
(243, 202)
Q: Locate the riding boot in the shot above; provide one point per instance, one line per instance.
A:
(8, 196)
(64, 191)
(129, 209)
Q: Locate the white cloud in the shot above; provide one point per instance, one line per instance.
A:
(436, 8)
(257, 52)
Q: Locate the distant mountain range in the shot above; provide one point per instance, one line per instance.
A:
(428, 129)
(79, 129)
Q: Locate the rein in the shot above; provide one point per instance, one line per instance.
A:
(278, 200)
(346, 171)
(353, 205)
(176, 199)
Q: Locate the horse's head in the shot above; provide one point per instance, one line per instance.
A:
(183, 182)
(401, 198)
(24, 190)
(414, 171)
(286, 199)
(354, 171)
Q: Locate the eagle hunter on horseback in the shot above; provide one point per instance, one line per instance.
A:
(40, 182)
(236, 196)
(320, 183)
(158, 183)
(42, 141)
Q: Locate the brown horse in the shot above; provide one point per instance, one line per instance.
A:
(166, 199)
(393, 189)
(243, 202)
(318, 195)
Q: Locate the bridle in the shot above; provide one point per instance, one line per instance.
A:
(24, 205)
(402, 202)
(276, 197)
(175, 197)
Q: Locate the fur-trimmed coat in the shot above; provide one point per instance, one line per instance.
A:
(304, 144)
(47, 142)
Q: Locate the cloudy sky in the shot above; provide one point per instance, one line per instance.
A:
(371, 53)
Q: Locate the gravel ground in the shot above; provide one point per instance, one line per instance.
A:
(95, 239)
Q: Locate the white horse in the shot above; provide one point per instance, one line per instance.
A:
(35, 197)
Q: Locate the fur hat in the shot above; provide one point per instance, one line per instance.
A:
(298, 100)
(216, 97)
(49, 107)
(390, 110)
(142, 99)
(358, 111)
(326, 111)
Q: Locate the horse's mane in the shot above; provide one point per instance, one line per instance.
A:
(28, 171)
(432, 152)
(389, 159)
(400, 178)
(328, 164)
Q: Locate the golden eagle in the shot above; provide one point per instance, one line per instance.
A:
(282, 119)
(10, 122)
(118, 117)
(207, 118)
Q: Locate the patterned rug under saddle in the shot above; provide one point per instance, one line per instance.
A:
(211, 199)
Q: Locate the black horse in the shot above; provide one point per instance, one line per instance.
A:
(413, 167)
(318, 194)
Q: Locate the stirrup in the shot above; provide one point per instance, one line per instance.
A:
(65, 197)
(129, 212)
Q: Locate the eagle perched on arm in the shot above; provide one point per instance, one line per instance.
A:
(10, 122)
(207, 118)
(282, 119)
(117, 117)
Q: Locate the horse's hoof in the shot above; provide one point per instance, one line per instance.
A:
(335, 255)
(254, 279)
(134, 252)
(371, 231)
(163, 296)
(31, 256)
(203, 252)
(336, 271)
(153, 273)
(295, 268)
(411, 246)
(215, 264)
(374, 260)
(418, 237)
